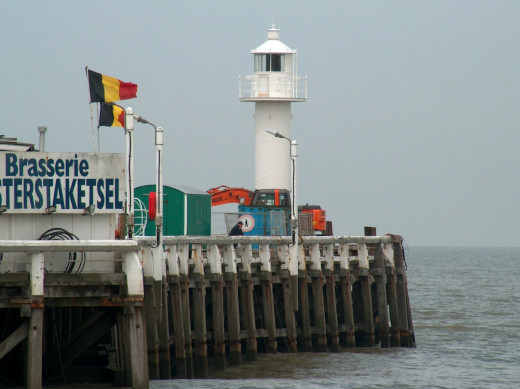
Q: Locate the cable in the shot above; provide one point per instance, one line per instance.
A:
(62, 234)
(56, 335)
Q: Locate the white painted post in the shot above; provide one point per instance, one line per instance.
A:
(214, 258)
(230, 259)
(328, 256)
(363, 255)
(158, 263)
(172, 259)
(196, 255)
(388, 252)
(37, 276)
(246, 257)
(283, 254)
(343, 256)
(265, 257)
(134, 273)
(183, 253)
(146, 253)
(315, 257)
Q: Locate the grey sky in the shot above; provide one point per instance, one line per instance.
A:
(411, 123)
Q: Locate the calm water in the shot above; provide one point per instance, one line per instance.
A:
(466, 313)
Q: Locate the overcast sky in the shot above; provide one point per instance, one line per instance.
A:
(411, 124)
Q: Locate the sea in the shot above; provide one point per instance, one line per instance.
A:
(466, 313)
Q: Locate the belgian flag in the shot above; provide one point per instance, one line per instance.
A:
(111, 115)
(105, 89)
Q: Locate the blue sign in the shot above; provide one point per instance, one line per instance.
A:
(30, 182)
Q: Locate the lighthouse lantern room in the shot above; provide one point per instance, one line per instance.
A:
(272, 87)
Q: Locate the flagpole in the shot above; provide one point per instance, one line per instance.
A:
(98, 141)
(91, 115)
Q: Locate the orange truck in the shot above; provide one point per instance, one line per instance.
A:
(266, 198)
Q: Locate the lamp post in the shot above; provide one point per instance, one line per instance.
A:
(158, 180)
(294, 207)
(293, 248)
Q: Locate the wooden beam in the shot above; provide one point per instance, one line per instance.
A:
(14, 339)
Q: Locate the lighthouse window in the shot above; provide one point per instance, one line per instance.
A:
(269, 62)
(276, 63)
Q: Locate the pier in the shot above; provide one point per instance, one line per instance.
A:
(192, 304)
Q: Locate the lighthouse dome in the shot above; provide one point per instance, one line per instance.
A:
(273, 44)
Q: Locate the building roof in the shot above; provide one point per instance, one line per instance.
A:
(188, 189)
(12, 144)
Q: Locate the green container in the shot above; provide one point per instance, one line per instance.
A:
(186, 211)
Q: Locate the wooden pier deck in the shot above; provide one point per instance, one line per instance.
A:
(169, 311)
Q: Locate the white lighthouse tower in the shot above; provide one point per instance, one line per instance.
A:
(273, 86)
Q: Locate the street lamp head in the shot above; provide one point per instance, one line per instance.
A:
(275, 133)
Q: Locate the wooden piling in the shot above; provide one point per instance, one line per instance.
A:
(152, 338)
(391, 292)
(34, 350)
(233, 319)
(305, 340)
(268, 310)
(348, 312)
(332, 314)
(184, 283)
(186, 320)
(345, 284)
(290, 320)
(178, 328)
(135, 346)
(379, 274)
(401, 288)
(315, 272)
(219, 336)
(319, 310)
(248, 314)
(163, 329)
(330, 287)
(200, 357)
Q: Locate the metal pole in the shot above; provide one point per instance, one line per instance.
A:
(294, 214)
(294, 249)
(159, 183)
(129, 131)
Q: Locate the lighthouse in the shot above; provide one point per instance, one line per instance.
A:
(273, 86)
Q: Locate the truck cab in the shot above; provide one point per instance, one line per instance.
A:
(271, 198)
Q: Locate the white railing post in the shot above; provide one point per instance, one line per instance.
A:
(328, 256)
(214, 259)
(363, 255)
(388, 252)
(183, 253)
(246, 257)
(265, 257)
(37, 276)
(198, 261)
(172, 260)
(315, 256)
(134, 273)
(343, 256)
